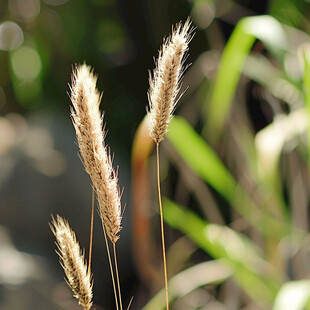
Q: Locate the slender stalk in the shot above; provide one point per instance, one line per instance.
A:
(91, 237)
(130, 302)
(111, 267)
(162, 227)
(117, 277)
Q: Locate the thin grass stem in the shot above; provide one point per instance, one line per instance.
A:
(117, 277)
(162, 227)
(130, 302)
(91, 237)
(111, 267)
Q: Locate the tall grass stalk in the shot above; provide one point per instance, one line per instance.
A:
(111, 267)
(88, 123)
(162, 226)
(91, 234)
(165, 84)
(117, 277)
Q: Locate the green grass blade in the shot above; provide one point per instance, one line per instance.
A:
(288, 11)
(221, 242)
(265, 28)
(200, 157)
(210, 272)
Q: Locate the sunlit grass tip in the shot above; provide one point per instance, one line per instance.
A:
(88, 123)
(165, 82)
(78, 276)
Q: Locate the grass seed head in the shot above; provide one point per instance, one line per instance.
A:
(88, 124)
(165, 82)
(73, 262)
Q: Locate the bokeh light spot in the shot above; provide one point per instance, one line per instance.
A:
(26, 63)
(203, 13)
(7, 135)
(24, 10)
(38, 143)
(11, 36)
(26, 91)
(53, 165)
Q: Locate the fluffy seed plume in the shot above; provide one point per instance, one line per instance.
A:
(165, 82)
(96, 158)
(72, 260)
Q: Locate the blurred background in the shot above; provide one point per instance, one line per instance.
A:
(234, 167)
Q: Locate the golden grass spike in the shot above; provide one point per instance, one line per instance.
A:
(96, 158)
(72, 260)
(166, 80)
(165, 86)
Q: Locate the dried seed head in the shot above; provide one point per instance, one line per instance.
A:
(72, 260)
(96, 158)
(165, 82)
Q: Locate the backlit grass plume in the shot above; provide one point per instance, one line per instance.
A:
(166, 79)
(72, 260)
(96, 158)
(165, 84)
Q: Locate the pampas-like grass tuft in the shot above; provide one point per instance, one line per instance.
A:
(165, 82)
(96, 158)
(72, 260)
